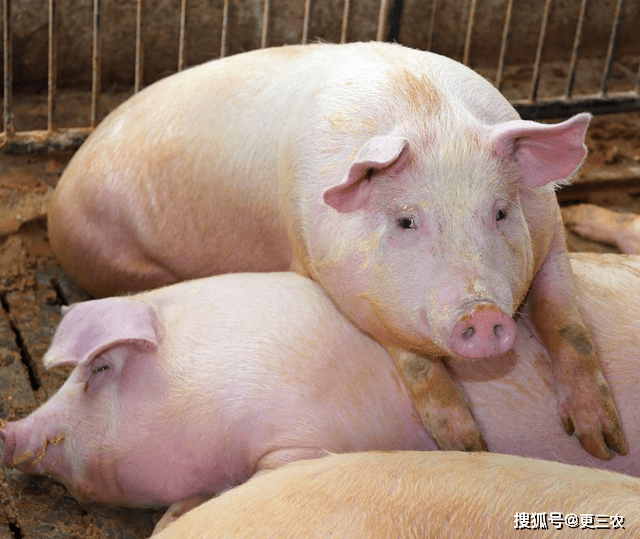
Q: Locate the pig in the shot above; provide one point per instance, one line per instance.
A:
(185, 391)
(179, 393)
(401, 181)
(409, 494)
(621, 229)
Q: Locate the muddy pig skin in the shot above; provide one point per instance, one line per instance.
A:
(412, 494)
(400, 180)
(185, 391)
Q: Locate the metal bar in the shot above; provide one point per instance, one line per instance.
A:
(225, 29)
(432, 25)
(638, 82)
(8, 70)
(383, 20)
(545, 108)
(265, 24)
(535, 79)
(96, 73)
(52, 68)
(563, 107)
(502, 61)
(139, 75)
(182, 50)
(43, 141)
(467, 40)
(345, 22)
(305, 21)
(577, 41)
(608, 63)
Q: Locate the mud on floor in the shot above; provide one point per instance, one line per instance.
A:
(32, 289)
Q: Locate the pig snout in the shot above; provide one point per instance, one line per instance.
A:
(28, 450)
(483, 330)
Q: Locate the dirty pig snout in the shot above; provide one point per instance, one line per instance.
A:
(482, 331)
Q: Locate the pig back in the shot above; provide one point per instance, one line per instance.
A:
(411, 494)
(513, 395)
(275, 365)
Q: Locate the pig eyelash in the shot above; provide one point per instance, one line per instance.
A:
(407, 222)
(501, 214)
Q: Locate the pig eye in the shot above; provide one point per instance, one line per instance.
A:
(501, 214)
(406, 222)
(101, 368)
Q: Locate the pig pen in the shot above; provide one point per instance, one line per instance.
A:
(66, 64)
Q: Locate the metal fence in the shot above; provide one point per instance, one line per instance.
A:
(532, 106)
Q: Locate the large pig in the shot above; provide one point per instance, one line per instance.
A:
(185, 391)
(409, 494)
(400, 180)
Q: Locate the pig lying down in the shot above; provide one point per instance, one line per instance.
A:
(409, 494)
(400, 180)
(178, 393)
(621, 229)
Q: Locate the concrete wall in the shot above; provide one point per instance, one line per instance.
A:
(161, 20)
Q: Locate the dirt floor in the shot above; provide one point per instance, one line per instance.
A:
(32, 288)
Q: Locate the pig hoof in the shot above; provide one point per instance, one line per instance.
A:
(451, 436)
(597, 426)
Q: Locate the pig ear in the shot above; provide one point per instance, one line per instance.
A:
(545, 153)
(377, 154)
(91, 327)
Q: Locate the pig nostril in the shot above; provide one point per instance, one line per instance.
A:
(498, 330)
(468, 333)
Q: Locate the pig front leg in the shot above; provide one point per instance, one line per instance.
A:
(440, 402)
(585, 402)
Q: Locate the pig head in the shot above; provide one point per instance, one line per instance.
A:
(443, 254)
(73, 438)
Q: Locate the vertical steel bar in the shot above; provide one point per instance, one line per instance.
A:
(139, 75)
(575, 51)
(432, 25)
(383, 20)
(638, 82)
(52, 68)
(182, 50)
(265, 24)
(608, 63)
(8, 70)
(535, 79)
(96, 73)
(467, 40)
(502, 61)
(305, 21)
(345, 22)
(225, 29)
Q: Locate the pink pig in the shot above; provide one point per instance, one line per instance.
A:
(400, 180)
(183, 392)
(409, 494)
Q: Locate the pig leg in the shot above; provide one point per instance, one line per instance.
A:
(599, 224)
(440, 402)
(176, 510)
(585, 402)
